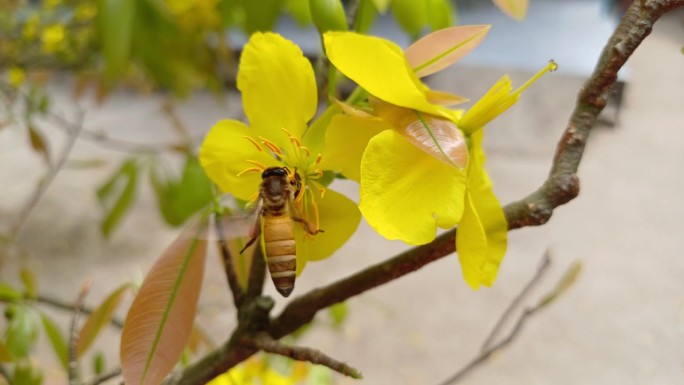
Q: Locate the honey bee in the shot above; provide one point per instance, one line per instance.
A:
(277, 193)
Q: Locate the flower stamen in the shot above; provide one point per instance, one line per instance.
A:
(271, 146)
(253, 169)
(319, 158)
(254, 142)
(552, 66)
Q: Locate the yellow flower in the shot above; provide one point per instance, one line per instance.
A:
(279, 97)
(422, 165)
(16, 76)
(52, 38)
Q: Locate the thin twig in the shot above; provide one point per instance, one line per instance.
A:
(541, 270)
(561, 286)
(73, 334)
(104, 140)
(483, 356)
(231, 276)
(264, 342)
(257, 274)
(45, 184)
(105, 377)
(41, 298)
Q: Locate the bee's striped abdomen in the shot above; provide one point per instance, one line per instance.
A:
(281, 256)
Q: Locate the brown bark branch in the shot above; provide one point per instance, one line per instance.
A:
(229, 267)
(263, 341)
(561, 186)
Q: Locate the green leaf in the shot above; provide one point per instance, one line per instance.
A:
(22, 332)
(7, 293)
(38, 143)
(411, 16)
(28, 278)
(338, 312)
(566, 281)
(381, 5)
(25, 374)
(115, 24)
(328, 15)
(365, 16)
(299, 9)
(439, 14)
(260, 15)
(99, 318)
(179, 200)
(57, 340)
(116, 195)
(99, 363)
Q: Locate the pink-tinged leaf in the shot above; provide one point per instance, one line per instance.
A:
(445, 99)
(516, 9)
(437, 136)
(98, 319)
(161, 317)
(443, 48)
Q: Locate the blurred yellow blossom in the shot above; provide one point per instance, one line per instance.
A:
(85, 11)
(31, 27)
(52, 38)
(16, 76)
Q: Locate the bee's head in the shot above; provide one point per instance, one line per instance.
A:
(274, 171)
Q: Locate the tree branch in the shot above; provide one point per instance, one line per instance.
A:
(263, 341)
(73, 334)
(561, 186)
(231, 276)
(105, 377)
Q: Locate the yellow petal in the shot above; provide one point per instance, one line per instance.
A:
(483, 231)
(405, 193)
(378, 66)
(471, 245)
(445, 98)
(516, 9)
(278, 87)
(339, 217)
(345, 141)
(225, 153)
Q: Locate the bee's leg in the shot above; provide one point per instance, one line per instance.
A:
(308, 226)
(254, 235)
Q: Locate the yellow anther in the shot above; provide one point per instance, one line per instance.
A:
(254, 142)
(319, 158)
(303, 148)
(253, 169)
(271, 146)
(317, 173)
(258, 164)
(322, 191)
(295, 141)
